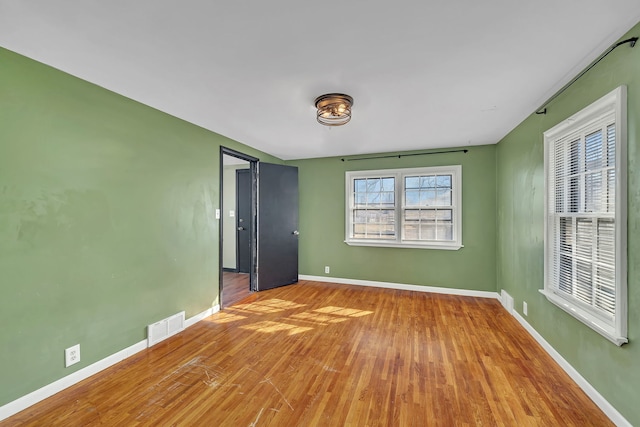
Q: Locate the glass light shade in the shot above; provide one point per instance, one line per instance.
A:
(334, 109)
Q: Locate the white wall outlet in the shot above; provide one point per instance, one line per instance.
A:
(525, 308)
(217, 213)
(71, 355)
(327, 270)
(232, 214)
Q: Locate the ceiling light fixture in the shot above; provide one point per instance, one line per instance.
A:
(334, 109)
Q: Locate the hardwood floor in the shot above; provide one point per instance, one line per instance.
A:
(235, 287)
(320, 354)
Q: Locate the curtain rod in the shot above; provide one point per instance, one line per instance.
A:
(543, 108)
(404, 155)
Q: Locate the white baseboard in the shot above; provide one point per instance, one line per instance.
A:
(49, 390)
(402, 286)
(198, 317)
(611, 412)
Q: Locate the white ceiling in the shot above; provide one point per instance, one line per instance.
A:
(423, 73)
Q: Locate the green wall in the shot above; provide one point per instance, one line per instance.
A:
(107, 221)
(322, 228)
(613, 371)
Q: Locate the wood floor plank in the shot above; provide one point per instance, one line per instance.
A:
(322, 354)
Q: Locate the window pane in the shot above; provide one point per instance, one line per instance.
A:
(412, 182)
(444, 214)
(427, 181)
(427, 231)
(373, 185)
(375, 192)
(444, 181)
(606, 240)
(444, 231)
(611, 145)
(373, 198)
(388, 184)
(387, 198)
(611, 190)
(412, 214)
(412, 198)
(566, 235)
(374, 224)
(565, 275)
(593, 192)
(359, 231)
(584, 238)
(574, 157)
(605, 297)
(583, 282)
(444, 197)
(428, 198)
(574, 195)
(593, 151)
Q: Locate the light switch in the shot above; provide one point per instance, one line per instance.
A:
(232, 214)
(217, 213)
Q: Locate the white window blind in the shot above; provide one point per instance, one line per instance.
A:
(585, 272)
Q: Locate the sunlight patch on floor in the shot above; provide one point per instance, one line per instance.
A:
(268, 306)
(341, 311)
(317, 318)
(271, 327)
(225, 317)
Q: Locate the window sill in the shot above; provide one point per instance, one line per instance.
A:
(600, 327)
(442, 246)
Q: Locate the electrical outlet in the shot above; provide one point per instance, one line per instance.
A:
(71, 355)
(525, 308)
(327, 270)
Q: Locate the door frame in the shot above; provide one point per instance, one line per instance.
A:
(253, 166)
(237, 215)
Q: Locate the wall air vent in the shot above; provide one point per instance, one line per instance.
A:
(165, 328)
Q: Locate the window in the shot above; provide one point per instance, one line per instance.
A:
(415, 208)
(585, 219)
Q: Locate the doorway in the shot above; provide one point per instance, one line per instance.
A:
(237, 226)
(258, 226)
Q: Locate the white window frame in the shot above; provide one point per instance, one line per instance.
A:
(456, 176)
(611, 107)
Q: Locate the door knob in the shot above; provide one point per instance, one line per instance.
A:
(296, 233)
(241, 229)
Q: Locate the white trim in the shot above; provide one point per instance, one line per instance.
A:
(49, 390)
(403, 286)
(382, 244)
(582, 315)
(200, 316)
(606, 407)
